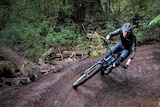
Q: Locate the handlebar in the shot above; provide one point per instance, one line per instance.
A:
(105, 41)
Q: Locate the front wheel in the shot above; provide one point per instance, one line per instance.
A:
(87, 75)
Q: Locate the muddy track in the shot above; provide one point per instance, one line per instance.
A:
(138, 86)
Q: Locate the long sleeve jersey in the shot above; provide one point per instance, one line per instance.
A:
(129, 43)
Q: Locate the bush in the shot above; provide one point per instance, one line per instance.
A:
(39, 36)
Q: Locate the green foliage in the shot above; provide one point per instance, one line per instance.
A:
(65, 36)
(94, 53)
(156, 20)
(98, 52)
(32, 32)
(38, 36)
(139, 37)
(33, 25)
(110, 26)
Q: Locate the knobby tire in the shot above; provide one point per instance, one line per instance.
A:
(87, 75)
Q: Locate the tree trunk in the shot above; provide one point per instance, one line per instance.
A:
(79, 11)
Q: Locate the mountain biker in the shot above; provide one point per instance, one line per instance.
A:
(127, 46)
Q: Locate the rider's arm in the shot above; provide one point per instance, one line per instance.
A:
(133, 51)
(129, 61)
(111, 34)
(107, 37)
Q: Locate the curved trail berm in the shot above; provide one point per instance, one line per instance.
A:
(138, 86)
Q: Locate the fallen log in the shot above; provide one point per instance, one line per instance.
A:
(16, 81)
(13, 57)
(24, 66)
(7, 69)
(28, 71)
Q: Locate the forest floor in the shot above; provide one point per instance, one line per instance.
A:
(137, 86)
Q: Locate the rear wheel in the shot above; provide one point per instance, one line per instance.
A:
(87, 75)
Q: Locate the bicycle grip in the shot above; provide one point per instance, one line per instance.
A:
(105, 41)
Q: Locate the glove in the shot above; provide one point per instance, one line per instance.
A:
(125, 66)
(105, 41)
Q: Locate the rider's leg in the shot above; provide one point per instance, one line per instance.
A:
(117, 48)
(123, 56)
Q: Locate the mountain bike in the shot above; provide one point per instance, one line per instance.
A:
(102, 65)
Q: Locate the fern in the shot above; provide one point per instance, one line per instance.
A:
(155, 21)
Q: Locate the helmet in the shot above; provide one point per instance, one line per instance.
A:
(127, 27)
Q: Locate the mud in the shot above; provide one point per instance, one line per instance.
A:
(137, 86)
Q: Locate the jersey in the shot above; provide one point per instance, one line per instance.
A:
(129, 42)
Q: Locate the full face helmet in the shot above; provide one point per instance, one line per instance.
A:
(127, 27)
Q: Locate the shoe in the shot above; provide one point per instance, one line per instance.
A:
(108, 70)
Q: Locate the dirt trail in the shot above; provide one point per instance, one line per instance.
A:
(138, 86)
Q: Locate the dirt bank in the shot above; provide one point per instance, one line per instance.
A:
(138, 86)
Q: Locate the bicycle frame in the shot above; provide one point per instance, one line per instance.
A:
(101, 65)
(110, 60)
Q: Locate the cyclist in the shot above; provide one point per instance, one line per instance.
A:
(127, 46)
